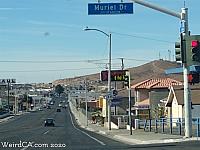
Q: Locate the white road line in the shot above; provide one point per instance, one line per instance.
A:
(100, 142)
(46, 132)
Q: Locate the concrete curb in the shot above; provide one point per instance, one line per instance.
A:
(6, 119)
(102, 132)
(138, 142)
(127, 139)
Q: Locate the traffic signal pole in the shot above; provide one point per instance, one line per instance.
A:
(183, 16)
(130, 104)
(187, 96)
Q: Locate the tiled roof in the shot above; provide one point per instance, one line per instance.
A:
(156, 83)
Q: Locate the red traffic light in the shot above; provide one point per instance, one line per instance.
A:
(194, 43)
(193, 78)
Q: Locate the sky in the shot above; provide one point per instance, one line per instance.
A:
(44, 40)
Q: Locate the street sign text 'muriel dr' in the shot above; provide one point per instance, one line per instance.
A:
(110, 8)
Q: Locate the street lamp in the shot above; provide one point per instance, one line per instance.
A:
(108, 102)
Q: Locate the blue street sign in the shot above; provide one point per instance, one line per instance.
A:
(116, 101)
(110, 8)
(192, 68)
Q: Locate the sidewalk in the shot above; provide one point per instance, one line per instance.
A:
(11, 116)
(6, 119)
(123, 135)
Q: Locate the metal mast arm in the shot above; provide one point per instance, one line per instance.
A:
(158, 8)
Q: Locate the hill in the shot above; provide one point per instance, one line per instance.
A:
(152, 69)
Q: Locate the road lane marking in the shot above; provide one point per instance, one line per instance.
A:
(100, 142)
(46, 132)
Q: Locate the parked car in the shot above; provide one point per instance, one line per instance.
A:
(48, 107)
(49, 122)
(58, 110)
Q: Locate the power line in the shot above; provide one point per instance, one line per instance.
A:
(142, 37)
(138, 59)
(95, 61)
(50, 70)
(54, 61)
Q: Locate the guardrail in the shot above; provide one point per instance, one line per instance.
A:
(169, 126)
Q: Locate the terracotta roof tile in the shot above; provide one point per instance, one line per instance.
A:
(156, 83)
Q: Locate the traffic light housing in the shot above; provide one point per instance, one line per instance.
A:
(126, 80)
(193, 78)
(114, 93)
(178, 51)
(193, 50)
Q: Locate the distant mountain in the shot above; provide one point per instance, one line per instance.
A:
(154, 69)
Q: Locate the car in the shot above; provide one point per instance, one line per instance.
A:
(58, 110)
(48, 107)
(49, 122)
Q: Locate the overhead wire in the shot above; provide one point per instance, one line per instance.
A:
(96, 62)
(142, 37)
(50, 70)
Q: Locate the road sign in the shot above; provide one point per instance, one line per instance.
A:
(116, 75)
(110, 8)
(192, 68)
(116, 101)
(3, 81)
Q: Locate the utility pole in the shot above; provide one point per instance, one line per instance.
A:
(9, 97)
(16, 105)
(27, 101)
(109, 84)
(86, 103)
(169, 53)
(183, 16)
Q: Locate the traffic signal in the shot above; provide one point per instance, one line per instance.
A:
(126, 80)
(114, 92)
(195, 48)
(178, 51)
(193, 78)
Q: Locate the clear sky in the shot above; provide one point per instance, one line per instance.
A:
(43, 40)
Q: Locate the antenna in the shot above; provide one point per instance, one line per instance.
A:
(159, 56)
(184, 4)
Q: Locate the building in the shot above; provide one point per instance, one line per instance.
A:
(148, 95)
(175, 102)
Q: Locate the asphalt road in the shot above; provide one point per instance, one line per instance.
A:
(28, 130)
